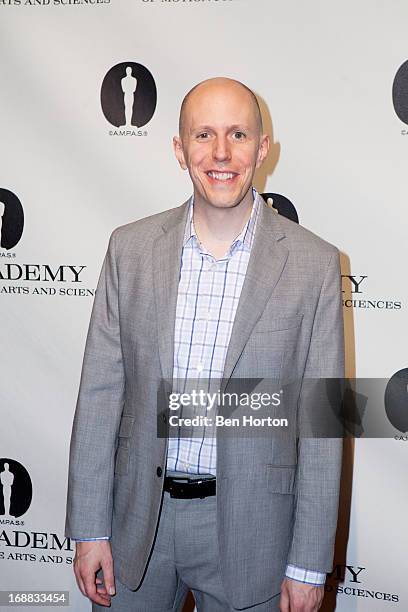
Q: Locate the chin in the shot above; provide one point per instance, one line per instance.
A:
(227, 203)
(223, 199)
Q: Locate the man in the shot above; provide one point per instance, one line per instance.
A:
(219, 287)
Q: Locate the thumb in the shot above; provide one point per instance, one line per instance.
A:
(108, 577)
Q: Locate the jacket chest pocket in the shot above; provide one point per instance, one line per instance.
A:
(277, 324)
(279, 335)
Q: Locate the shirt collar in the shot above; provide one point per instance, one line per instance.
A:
(246, 236)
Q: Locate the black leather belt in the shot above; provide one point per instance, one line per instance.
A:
(182, 488)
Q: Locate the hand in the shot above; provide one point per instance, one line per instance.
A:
(89, 558)
(300, 597)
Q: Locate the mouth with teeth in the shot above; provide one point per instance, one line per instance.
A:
(216, 176)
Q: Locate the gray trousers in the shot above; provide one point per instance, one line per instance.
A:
(185, 557)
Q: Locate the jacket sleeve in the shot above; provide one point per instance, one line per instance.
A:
(319, 456)
(98, 412)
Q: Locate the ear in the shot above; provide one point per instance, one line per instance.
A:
(178, 152)
(263, 149)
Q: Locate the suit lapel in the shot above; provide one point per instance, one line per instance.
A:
(265, 266)
(166, 270)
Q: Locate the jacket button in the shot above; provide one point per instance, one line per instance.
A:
(159, 471)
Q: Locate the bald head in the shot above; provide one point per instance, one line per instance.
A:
(221, 143)
(224, 86)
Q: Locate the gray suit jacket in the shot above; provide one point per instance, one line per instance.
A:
(277, 498)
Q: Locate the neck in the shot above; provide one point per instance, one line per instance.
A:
(221, 224)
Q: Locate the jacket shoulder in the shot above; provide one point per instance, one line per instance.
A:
(138, 234)
(299, 238)
(151, 223)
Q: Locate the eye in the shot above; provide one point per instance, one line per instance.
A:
(203, 135)
(239, 135)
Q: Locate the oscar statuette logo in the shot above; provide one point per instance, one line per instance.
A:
(128, 98)
(16, 490)
(400, 94)
(396, 401)
(11, 219)
(282, 205)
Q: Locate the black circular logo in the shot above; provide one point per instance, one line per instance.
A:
(11, 219)
(396, 400)
(16, 490)
(400, 92)
(128, 95)
(282, 205)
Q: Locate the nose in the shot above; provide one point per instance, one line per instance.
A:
(221, 151)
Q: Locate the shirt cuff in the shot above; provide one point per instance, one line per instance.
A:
(90, 539)
(304, 575)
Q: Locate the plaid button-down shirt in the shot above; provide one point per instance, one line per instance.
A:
(207, 300)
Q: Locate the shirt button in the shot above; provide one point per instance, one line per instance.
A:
(159, 471)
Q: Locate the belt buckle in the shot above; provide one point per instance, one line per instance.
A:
(176, 489)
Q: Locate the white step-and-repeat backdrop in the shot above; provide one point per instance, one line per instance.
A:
(76, 162)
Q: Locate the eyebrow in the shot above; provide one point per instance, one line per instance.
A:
(209, 128)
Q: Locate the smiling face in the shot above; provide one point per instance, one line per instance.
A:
(221, 142)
